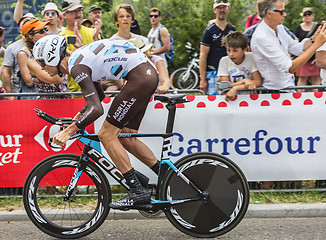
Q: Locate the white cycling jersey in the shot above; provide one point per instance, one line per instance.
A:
(108, 59)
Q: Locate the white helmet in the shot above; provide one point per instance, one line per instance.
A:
(50, 50)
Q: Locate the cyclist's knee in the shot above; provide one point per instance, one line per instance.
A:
(108, 132)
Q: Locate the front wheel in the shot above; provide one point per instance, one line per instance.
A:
(44, 201)
(227, 189)
(181, 80)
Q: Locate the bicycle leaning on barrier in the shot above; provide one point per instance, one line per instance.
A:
(187, 78)
(202, 194)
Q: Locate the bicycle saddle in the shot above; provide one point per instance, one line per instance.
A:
(167, 98)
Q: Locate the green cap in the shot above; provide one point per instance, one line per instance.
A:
(94, 7)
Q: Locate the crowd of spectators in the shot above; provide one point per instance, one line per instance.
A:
(277, 58)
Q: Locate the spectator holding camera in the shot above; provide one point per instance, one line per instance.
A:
(271, 46)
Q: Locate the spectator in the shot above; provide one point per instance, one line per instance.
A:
(309, 69)
(135, 28)
(124, 15)
(87, 23)
(110, 86)
(321, 62)
(163, 74)
(95, 15)
(33, 77)
(162, 44)
(73, 13)
(252, 19)
(271, 46)
(51, 14)
(211, 49)
(10, 66)
(238, 67)
(60, 21)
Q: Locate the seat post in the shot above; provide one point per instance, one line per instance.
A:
(171, 106)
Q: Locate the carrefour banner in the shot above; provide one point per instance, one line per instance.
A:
(271, 137)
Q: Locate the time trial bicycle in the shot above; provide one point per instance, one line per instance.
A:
(202, 194)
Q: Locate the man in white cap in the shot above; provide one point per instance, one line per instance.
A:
(73, 13)
(51, 14)
(211, 49)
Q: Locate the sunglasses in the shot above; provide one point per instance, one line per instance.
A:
(41, 31)
(154, 15)
(50, 13)
(307, 14)
(41, 62)
(280, 11)
(222, 1)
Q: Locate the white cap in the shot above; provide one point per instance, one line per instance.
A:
(51, 6)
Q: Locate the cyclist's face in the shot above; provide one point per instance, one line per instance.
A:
(124, 18)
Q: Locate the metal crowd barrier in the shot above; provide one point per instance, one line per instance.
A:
(72, 94)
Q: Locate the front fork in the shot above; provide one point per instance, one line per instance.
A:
(74, 180)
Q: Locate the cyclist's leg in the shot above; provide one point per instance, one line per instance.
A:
(128, 107)
(139, 149)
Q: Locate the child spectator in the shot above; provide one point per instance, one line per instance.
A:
(238, 67)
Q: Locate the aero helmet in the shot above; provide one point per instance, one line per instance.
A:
(50, 50)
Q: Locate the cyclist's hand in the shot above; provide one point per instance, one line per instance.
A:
(61, 137)
(203, 85)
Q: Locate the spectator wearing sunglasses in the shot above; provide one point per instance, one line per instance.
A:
(271, 46)
(161, 44)
(305, 30)
(211, 48)
(32, 77)
(51, 14)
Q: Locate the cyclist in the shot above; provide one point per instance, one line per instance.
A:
(89, 65)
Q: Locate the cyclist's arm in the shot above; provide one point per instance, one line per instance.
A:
(93, 108)
(204, 50)
(92, 93)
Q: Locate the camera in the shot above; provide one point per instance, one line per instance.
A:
(71, 40)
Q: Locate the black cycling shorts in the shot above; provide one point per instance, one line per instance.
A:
(129, 106)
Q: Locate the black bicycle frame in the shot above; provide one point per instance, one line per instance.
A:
(92, 149)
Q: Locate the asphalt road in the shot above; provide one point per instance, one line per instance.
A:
(126, 229)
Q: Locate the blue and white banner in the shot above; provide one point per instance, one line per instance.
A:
(271, 137)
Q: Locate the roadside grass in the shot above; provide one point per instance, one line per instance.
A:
(10, 203)
(277, 197)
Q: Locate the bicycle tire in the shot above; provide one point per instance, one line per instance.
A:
(67, 219)
(228, 195)
(178, 83)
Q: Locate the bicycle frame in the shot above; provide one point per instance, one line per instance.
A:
(194, 63)
(92, 149)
